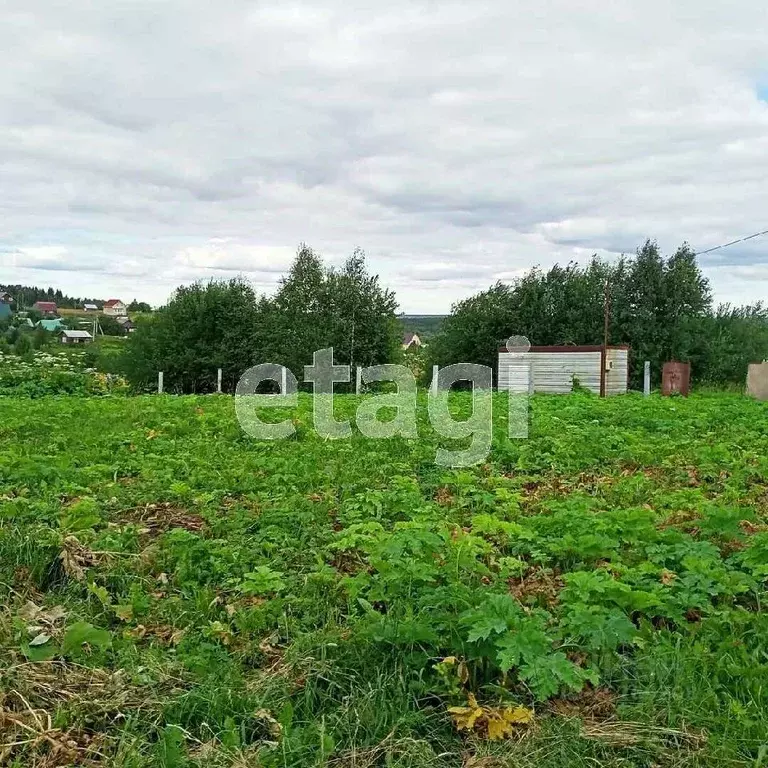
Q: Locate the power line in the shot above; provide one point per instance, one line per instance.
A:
(733, 242)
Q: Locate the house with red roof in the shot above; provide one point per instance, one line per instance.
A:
(115, 308)
(45, 307)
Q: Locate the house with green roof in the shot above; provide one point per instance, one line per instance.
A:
(51, 325)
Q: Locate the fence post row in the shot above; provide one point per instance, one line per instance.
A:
(359, 380)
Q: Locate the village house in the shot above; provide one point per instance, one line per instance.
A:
(115, 308)
(45, 307)
(126, 324)
(6, 297)
(76, 337)
(54, 324)
(90, 307)
(411, 340)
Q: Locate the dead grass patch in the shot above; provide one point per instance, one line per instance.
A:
(537, 585)
(27, 733)
(76, 557)
(153, 520)
(683, 519)
(592, 705)
(620, 733)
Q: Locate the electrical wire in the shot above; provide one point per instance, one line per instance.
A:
(733, 242)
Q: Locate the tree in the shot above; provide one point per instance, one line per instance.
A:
(723, 343)
(40, 337)
(475, 328)
(688, 298)
(655, 305)
(109, 326)
(296, 319)
(204, 327)
(22, 346)
(361, 315)
(317, 307)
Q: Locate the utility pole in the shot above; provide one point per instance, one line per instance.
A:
(606, 323)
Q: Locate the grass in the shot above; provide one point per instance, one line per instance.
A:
(177, 594)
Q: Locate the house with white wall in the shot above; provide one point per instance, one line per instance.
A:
(115, 308)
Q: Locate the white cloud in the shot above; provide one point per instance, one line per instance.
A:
(149, 144)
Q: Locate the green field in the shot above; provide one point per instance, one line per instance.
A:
(177, 594)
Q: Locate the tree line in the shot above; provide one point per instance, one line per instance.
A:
(24, 296)
(661, 306)
(225, 324)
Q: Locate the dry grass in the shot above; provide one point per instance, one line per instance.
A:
(538, 584)
(50, 684)
(385, 753)
(592, 704)
(621, 733)
(28, 732)
(37, 694)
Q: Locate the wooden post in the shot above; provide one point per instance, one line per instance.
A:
(647, 378)
(358, 380)
(218, 381)
(160, 383)
(435, 371)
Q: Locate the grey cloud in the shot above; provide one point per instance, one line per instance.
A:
(454, 142)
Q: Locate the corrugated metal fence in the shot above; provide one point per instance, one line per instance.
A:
(553, 369)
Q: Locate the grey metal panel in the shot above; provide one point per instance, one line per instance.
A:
(553, 372)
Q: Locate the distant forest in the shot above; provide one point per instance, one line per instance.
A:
(424, 325)
(24, 296)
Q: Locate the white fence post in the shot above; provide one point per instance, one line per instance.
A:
(159, 382)
(435, 371)
(647, 378)
(519, 391)
(283, 380)
(358, 380)
(218, 381)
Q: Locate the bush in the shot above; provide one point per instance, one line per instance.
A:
(23, 345)
(40, 338)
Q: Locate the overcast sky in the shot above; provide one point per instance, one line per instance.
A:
(146, 144)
